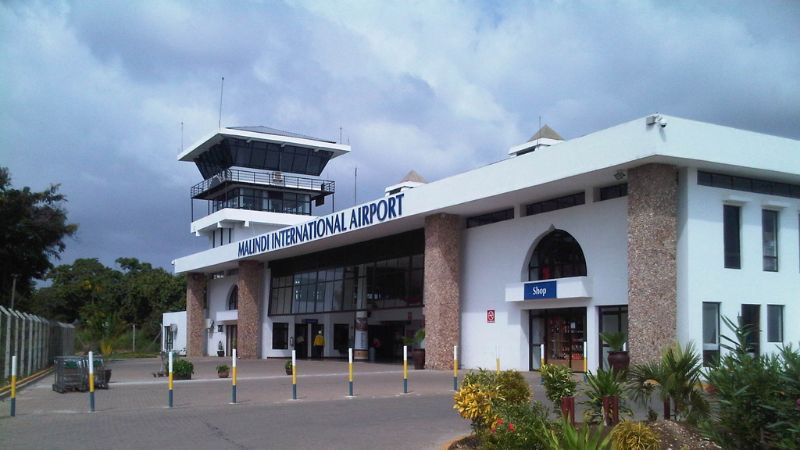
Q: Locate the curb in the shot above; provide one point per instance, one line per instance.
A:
(5, 391)
(452, 441)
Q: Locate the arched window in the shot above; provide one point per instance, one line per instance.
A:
(233, 299)
(558, 255)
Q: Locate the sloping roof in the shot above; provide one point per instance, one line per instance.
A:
(546, 132)
(413, 176)
(276, 132)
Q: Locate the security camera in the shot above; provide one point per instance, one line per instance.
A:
(663, 122)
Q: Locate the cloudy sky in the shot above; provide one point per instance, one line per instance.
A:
(92, 94)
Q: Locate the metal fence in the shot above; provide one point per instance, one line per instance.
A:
(35, 340)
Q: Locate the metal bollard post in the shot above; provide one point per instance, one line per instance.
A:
(13, 385)
(455, 367)
(585, 363)
(350, 371)
(170, 379)
(294, 375)
(233, 378)
(541, 363)
(91, 381)
(497, 359)
(405, 369)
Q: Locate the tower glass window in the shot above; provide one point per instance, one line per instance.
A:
(233, 299)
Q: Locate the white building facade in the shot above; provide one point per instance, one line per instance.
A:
(657, 228)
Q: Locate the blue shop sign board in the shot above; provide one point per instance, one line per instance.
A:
(540, 290)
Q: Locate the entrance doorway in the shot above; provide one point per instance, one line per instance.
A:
(562, 332)
(750, 321)
(387, 341)
(317, 328)
(301, 340)
(231, 335)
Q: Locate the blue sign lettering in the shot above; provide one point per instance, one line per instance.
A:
(378, 211)
(539, 290)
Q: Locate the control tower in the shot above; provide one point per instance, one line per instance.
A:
(256, 179)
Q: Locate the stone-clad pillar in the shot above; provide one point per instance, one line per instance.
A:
(441, 291)
(249, 322)
(195, 317)
(652, 270)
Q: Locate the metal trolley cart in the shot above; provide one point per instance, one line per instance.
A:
(101, 374)
(71, 374)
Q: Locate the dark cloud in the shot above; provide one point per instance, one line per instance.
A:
(94, 93)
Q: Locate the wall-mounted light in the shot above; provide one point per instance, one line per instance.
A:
(620, 175)
(654, 119)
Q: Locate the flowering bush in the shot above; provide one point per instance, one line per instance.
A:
(517, 427)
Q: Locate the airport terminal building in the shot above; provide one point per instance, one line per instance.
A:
(657, 227)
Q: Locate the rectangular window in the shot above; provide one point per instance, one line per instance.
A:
(616, 191)
(710, 333)
(732, 224)
(769, 238)
(745, 184)
(555, 204)
(280, 336)
(486, 219)
(774, 323)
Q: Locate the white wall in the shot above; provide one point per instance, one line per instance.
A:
(218, 291)
(497, 254)
(703, 262)
(179, 338)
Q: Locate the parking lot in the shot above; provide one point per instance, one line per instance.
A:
(133, 412)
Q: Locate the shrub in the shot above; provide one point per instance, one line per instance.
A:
(474, 402)
(519, 426)
(583, 438)
(634, 436)
(605, 383)
(755, 396)
(558, 382)
(482, 392)
(182, 368)
(512, 388)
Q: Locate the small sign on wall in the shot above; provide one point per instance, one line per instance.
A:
(489, 316)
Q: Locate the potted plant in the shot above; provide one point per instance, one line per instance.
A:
(288, 367)
(560, 388)
(418, 348)
(220, 349)
(182, 369)
(223, 371)
(617, 358)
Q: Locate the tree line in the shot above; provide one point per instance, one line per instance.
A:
(102, 300)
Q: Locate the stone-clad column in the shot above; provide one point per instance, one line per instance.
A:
(441, 291)
(249, 322)
(652, 271)
(195, 317)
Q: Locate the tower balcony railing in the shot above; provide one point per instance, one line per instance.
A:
(276, 179)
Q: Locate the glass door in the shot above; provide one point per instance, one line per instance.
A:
(565, 337)
(613, 319)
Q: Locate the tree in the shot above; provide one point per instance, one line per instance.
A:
(33, 226)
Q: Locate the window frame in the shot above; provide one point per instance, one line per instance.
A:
(765, 213)
(780, 325)
(728, 237)
(710, 350)
(275, 327)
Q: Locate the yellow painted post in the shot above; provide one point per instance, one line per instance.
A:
(169, 380)
(455, 367)
(350, 371)
(91, 381)
(294, 375)
(497, 359)
(233, 378)
(405, 369)
(13, 385)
